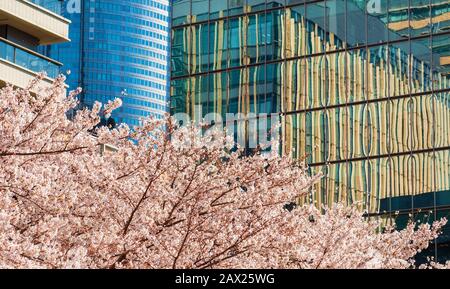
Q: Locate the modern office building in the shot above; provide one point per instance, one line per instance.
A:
(24, 26)
(119, 48)
(362, 89)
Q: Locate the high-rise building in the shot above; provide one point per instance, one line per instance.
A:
(362, 90)
(119, 48)
(24, 26)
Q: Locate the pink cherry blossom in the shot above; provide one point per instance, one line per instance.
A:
(166, 198)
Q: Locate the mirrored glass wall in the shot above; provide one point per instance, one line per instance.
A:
(362, 89)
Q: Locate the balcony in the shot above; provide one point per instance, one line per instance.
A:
(38, 21)
(28, 59)
(19, 65)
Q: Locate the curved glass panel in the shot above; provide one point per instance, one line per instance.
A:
(119, 49)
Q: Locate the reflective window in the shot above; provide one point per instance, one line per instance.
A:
(181, 11)
(236, 7)
(256, 5)
(361, 88)
(356, 24)
(200, 9)
(218, 9)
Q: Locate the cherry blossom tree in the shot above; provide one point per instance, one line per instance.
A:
(167, 197)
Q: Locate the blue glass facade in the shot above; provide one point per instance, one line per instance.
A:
(118, 49)
(52, 5)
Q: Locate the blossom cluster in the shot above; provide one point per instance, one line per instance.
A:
(167, 197)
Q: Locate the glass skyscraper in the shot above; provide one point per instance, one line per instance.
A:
(118, 48)
(362, 90)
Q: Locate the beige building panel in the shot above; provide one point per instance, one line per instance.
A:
(18, 76)
(43, 24)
